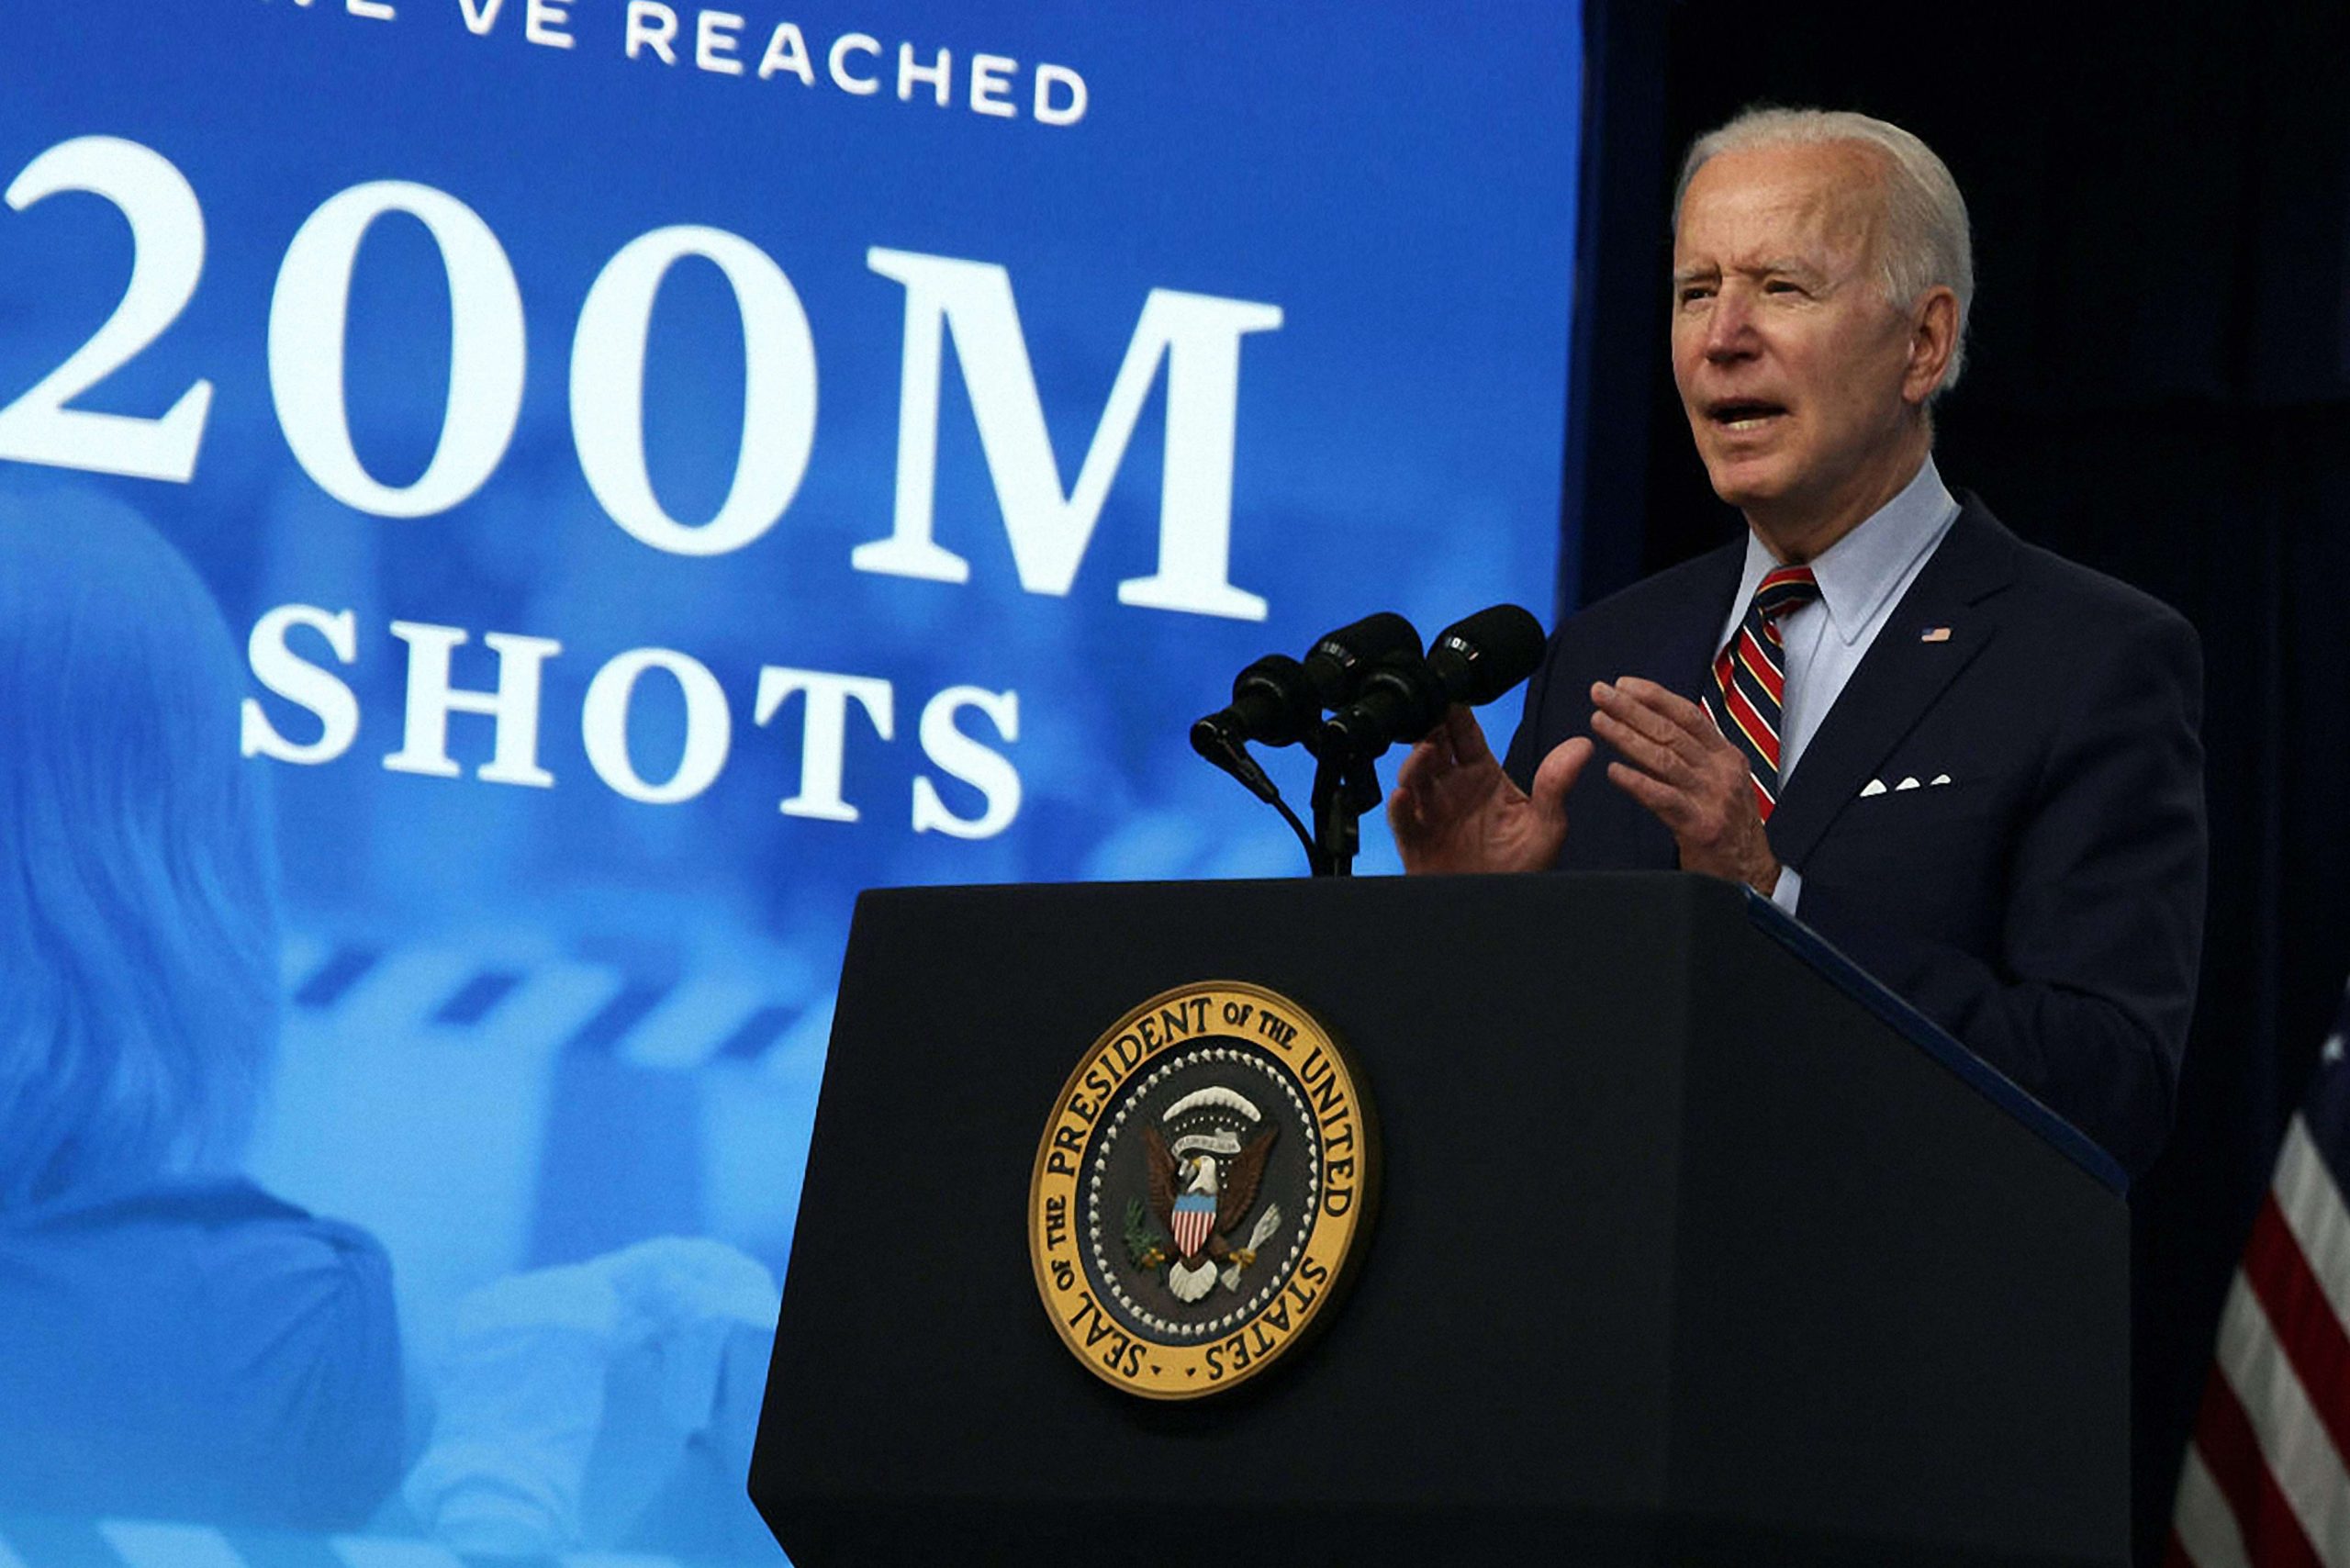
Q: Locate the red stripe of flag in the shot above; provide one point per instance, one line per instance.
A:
(2301, 1318)
(2271, 1530)
(2174, 1554)
(1758, 664)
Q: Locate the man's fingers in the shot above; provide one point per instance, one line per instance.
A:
(1558, 773)
(1404, 814)
(1634, 714)
(1425, 764)
(1661, 713)
(1641, 750)
(1466, 735)
(1668, 804)
(1664, 698)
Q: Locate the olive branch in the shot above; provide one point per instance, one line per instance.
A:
(1145, 1245)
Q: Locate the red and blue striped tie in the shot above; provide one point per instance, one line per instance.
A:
(1751, 679)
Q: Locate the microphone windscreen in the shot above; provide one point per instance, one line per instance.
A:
(1482, 656)
(1338, 662)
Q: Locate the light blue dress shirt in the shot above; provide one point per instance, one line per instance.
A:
(1861, 577)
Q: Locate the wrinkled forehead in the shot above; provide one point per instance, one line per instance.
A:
(1822, 204)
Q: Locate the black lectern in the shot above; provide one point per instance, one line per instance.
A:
(1696, 1246)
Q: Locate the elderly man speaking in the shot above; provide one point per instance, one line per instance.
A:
(1973, 765)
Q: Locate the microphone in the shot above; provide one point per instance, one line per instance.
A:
(1278, 700)
(1337, 666)
(1271, 702)
(1471, 662)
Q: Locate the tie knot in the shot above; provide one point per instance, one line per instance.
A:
(1783, 589)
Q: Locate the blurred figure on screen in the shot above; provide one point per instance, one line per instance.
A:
(173, 1342)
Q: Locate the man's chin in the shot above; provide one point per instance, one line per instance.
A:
(1744, 482)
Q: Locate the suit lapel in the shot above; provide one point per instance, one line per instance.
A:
(1899, 678)
(1685, 655)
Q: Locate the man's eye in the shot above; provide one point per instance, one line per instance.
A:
(1780, 286)
(1691, 292)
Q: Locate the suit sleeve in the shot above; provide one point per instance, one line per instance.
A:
(2087, 1003)
(1536, 732)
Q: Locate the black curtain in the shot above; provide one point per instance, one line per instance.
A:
(2158, 386)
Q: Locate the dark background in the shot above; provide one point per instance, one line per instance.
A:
(2157, 385)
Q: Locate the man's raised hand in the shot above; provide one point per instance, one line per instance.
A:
(1677, 765)
(1453, 809)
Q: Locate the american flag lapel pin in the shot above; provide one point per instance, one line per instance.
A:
(1934, 635)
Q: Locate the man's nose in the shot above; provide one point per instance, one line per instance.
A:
(1730, 326)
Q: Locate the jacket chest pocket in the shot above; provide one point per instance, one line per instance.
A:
(1936, 845)
(1909, 800)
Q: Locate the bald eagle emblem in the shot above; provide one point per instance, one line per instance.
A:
(1202, 1186)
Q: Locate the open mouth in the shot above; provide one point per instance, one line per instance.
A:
(1739, 415)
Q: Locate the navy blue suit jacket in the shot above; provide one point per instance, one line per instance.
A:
(2046, 904)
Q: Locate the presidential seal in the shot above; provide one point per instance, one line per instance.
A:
(1204, 1186)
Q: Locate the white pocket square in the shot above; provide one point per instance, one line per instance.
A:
(1879, 787)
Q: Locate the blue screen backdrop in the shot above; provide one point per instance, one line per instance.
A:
(511, 513)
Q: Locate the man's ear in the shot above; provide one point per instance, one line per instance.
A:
(1933, 337)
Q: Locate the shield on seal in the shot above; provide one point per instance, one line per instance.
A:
(1194, 1217)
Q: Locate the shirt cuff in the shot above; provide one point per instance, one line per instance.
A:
(1788, 888)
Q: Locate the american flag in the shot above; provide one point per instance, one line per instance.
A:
(2264, 1484)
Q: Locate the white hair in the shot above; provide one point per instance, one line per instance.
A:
(1927, 243)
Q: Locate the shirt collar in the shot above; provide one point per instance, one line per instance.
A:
(1858, 572)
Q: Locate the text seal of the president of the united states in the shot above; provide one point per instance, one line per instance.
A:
(1204, 1188)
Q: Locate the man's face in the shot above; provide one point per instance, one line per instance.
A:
(1790, 361)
